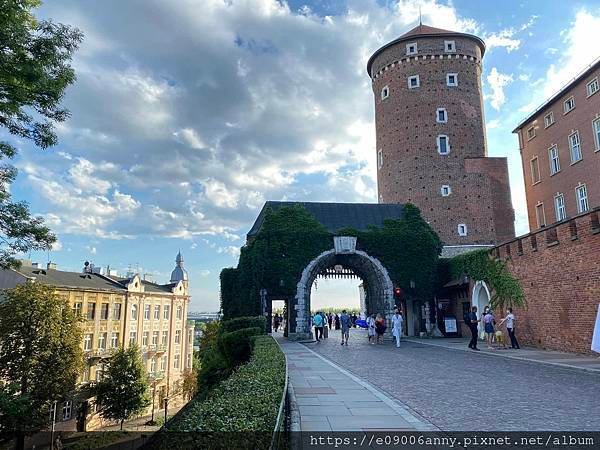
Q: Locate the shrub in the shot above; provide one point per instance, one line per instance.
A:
(236, 346)
(244, 322)
(214, 368)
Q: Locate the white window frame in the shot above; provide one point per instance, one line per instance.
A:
(176, 360)
(380, 158)
(385, 92)
(66, 410)
(535, 161)
(164, 338)
(559, 207)
(166, 312)
(438, 140)
(531, 135)
(132, 338)
(155, 337)
(145, 338)
(152, 365)
(596, 131)
(448, 83)
(569, 104)
(546, 122)
(411, 48)
(147, 312)
(156, 312)
(575, 147)
(437, 115)
(163, 363)
(554, 158)
(582, 198)
(134, 312)
(451, 44)
(179, 311)
(593, 83)
(114, 339)
(88, 341)
(178, 336)
(462, 229)
(445, 190)
(413, 77)
(541, 221)
(102, 338)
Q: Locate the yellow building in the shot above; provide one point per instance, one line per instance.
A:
(121, 311)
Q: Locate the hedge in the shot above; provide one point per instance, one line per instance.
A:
(236, 347)
(244, 322)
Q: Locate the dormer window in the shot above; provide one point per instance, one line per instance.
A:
(411, 49)
(449, 46)
(385, 92)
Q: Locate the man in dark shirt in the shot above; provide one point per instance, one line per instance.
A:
(472, 323)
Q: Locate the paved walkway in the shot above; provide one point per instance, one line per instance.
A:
(569, 360)
(330, 398)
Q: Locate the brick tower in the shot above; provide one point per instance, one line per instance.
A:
(431, 145)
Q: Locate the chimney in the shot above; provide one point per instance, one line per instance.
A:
(51, 265)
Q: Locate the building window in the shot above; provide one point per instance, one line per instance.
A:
(385, 93)
(592, 87)
(540, 215)
(582, 198)
(163, 363)
(441, 116)
(77, 307)
(116, 312)
(179, 311)
(575, 146)
(87, 341)
(176, 361)
(155, 338)
(102, 340)
(153, 365)
(114, 340)
(134, 311)
(596, 130)
(462, 229)
(132, 338)
(452, 79)
(156, 312)
(548, 119)
(165, 337)
(569, 104)
(530, 133)
(104, 311)
(166, 311)
(446, 190)
(554, 160)
(145, 337)
(188, 361)
(91, 311)
(535, 170)
(146, 312)
(449, 46)
(380, 158)
(411, 49)
(66, 410)
(443, 146)
(413, 82)
(178, 336)
(559, 207)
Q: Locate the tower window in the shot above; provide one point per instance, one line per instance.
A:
(452, 79)
(446, 190)
(380, 158)
(443, 146)
(385, 92)
(449, 46)
(441, 116)
(411, 49)
(413, 82)
(462, 229)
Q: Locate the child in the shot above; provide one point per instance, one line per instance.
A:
(500, 338)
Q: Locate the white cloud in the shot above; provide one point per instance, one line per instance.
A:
(91, 249)
(204, 272)
(230, 249)
(497, 82)
(493, 124)
(507, 38)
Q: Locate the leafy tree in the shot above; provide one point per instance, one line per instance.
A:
(123, 391)
(189, 383)
(34, 72)
(40, 355)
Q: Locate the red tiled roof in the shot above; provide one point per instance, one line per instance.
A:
(425, 29)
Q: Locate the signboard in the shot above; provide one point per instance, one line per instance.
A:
(344, 244)
(450, 324)
(596, 338)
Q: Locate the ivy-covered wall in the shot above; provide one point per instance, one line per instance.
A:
(290, 238)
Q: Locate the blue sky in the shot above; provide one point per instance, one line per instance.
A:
(187, 115)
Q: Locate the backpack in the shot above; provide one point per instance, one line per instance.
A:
(467, 319)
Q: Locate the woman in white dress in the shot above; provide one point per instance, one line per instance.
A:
(397, 320)
(371, 328)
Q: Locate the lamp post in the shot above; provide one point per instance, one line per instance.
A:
(54, 406)
(154, 380)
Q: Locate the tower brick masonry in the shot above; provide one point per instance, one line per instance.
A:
(431, 144)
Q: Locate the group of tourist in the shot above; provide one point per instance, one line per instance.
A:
(491, 328)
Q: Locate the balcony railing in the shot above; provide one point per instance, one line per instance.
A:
(99, 353)
(156, 348)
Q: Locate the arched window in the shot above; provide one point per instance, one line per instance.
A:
(134, 312)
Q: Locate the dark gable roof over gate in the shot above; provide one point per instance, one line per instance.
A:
(335, 216)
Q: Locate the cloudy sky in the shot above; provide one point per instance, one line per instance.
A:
(188, 114)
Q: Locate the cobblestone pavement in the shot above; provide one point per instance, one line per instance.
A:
(468, 391)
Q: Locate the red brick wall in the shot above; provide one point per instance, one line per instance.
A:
(561, 280)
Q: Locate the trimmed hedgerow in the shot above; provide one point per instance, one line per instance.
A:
(247, 401)
(238, 323)
(236, 345)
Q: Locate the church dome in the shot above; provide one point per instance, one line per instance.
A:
(179, 273)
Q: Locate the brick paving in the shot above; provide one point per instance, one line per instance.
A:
(468, 391)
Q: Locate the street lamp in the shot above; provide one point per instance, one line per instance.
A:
(154, 381)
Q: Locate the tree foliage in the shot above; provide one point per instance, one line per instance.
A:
(34, 73)
(40, 355)
(123, 391)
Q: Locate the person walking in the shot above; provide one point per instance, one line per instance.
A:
(472, 324)
(371, 328)
(488, 323)
(318, 323)
(276, 322)
(380, 328)
(336, 319)
(345, 323)
(397, 320)
(510, 327)
(354, 319)
(330, 319)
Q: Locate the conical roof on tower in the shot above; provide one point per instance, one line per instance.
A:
(423, 31)
(179, 273)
